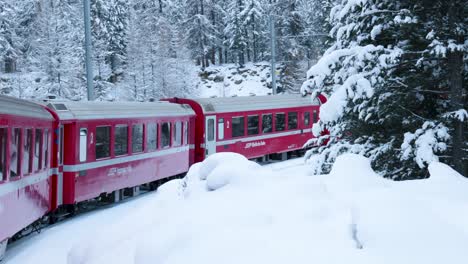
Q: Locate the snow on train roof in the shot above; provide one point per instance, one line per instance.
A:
(105, 110)
(251, 103)
(20, 107)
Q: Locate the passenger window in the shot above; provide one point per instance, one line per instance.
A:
(211, 128)
(3, 142)
(151, 136)
(221, 128)
(280, 122)
(238, 129)
(102, 142)
(137, 138)
(186, 129)
(315, 116)
(307, 119)
(166, 135)
(267, 123)
(27, 152)
(15, 162)
(252, 125)
(121, 140)
(292, 120)
(37, 162)
(83, 144)
(45, 149)
(61, 146)
(177, 134)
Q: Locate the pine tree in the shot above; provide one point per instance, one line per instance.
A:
(386, 92)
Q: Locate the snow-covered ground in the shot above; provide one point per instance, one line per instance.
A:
(228, 80)
(230, 210)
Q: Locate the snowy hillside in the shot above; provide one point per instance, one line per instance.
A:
(230, 210)
(228, 80)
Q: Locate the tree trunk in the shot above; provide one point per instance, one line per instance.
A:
(457, 99)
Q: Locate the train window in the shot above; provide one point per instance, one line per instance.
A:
(177, 134)
(280, 122)
(166, 135)
(83, 144)
(238, 129)
(121, 140)
(186, 133)
(315, 116)
(102, 142)
(27, 152)
(15, 163)
(137, 138)
(37, 162)
(221, 128)
(252, 125)
(3, 142)
(60, 154)
(211, 128)
(306, 119)
(151, 136)
(292, 120)
(45, 149)
(267, 123)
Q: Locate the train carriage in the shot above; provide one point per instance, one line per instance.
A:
(252, 126)
(111, 146)
(25, 173)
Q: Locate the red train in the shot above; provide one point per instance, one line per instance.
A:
(53, 157)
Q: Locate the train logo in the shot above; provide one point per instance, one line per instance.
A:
(255, 144)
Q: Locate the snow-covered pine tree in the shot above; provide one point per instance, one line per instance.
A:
(200, 31)
(382, 102)
(8, 48)
(236, 31)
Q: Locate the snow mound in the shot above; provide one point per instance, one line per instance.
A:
(209, 164)
(353, 173)
(442, 172)
(231, 172)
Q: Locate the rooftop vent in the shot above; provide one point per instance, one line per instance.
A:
(60, 107)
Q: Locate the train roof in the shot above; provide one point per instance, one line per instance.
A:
(19, 107)
(252, 103)
(113, 110)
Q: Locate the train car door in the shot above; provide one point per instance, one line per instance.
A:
(210, 135)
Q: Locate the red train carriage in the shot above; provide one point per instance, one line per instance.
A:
(253, 126)
(25, 153)
(111, 146)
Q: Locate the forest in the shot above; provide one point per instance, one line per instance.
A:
(395, 71)
(146, 49)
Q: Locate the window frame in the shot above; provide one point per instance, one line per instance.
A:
(45, 149)
(3, 153)
(289, 120)
(116, 128)
(83, 145)
(307, 119)
(315, 116)
(232, 127)
(263, 122)
(276, 122)
(186, 132)
(37, 153)
(109, 142)
(168, 136)
(248, 123)
(148, 134)
(220, 128)
(176, 142)
(142, 138)
(19, 152)
(28, 134)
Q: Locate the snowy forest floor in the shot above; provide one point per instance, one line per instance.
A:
(228, 80)
(230, 210)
